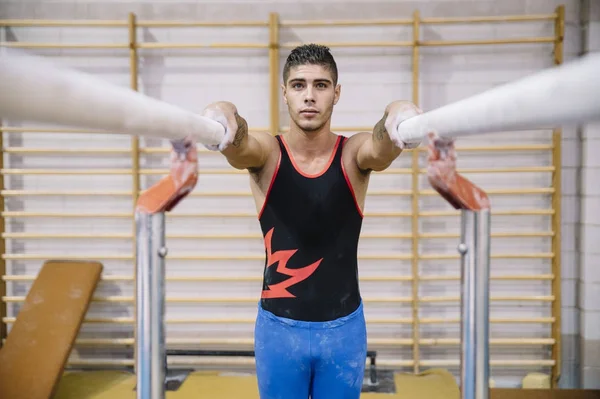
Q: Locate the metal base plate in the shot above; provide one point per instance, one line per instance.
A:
(174, 379)
(385, 383)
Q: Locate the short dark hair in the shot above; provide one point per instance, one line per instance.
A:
(311, 54)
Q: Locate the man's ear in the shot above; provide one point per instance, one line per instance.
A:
(283, 91)
(338, 91)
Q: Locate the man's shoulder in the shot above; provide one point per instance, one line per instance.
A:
(270, 145)
(350, 152)
(267, 141)
(358, 138)
(354, 142)
(264, 137)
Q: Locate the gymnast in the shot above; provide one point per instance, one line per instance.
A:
(309, 187)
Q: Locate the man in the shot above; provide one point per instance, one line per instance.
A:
(309, 186)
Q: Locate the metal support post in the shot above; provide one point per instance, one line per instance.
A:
(150, 292)
(475, 284)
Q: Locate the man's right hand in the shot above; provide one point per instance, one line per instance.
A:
(225, 113)
(241, 149)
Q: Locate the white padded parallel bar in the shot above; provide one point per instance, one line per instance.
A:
(558, 96)
(35, 90)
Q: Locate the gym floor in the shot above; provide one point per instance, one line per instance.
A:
(433, 384)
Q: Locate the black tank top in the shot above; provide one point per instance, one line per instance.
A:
(311, 226)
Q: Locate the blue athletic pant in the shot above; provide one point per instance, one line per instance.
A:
(320, 360)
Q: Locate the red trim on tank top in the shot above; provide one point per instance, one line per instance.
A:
(264, 205)
(360, 212)
(331, 157)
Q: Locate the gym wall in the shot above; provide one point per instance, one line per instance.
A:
(71, 195)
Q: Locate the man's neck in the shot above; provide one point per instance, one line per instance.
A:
(310, 143)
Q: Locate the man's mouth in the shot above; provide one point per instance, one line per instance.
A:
(309, 112)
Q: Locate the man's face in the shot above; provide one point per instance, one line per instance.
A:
(310, 96)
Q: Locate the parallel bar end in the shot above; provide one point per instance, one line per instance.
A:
(453, 187)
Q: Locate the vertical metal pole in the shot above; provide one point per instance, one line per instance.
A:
(475, 256)
(150, 345)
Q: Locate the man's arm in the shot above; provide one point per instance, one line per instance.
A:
(242, 149)
(382, 148)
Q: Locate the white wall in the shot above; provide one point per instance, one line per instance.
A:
(589, 283)
(589, 228)
(370, 79)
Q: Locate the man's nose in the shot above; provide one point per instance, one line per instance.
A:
(309, 97)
